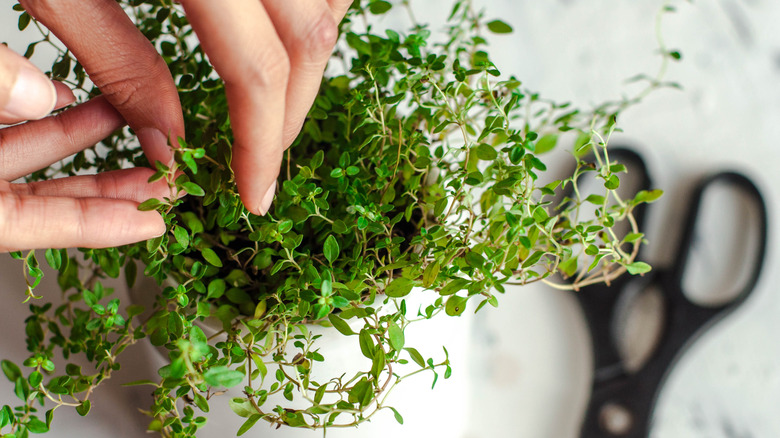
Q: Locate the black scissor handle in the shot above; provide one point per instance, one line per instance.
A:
(631, 397)
(687, 242)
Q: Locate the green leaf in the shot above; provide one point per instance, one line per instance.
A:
(498, 26)
(223, 376)
(248, 424)
(546, 144)
(216, 288)
(441, 204)
(486, 152)
(430, 274)
(516, 154)
(361, 392)
(285, 226)
(326, 287)
(612, 183)
(331, 249)
(201, 402)
(533, 259)
(455, 305)
(242, 407)
(193, 222)
(6, 414)
(35, 379)
(193, 189)
(617, 168)
(366, 344)
(416, 356)
(474, 259)
(261, 366)
(396, 336)
(340, 302)
(131, 272)
(11, 371)
(633, 237)
(317, 159)
(378, 7)
(595, 199)
(454, 286)
(339, 227)
(84, 407)
(140, 383)
(378, 363)
(397, 416)
(24, 21)
(181, 236)
(569, 266)
(54, 258)
(648, 196)
(155, 426)
(149, 204)
(210, 256)
(340, 325)
(400, 287)
(638, 268)
(37, 426)
(320, 393)
(198, 338)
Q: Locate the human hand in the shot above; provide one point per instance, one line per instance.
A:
(87, 211)
(270, 53)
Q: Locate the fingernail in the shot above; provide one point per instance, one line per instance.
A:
(147, 225)
(159, 228)
(32, 97)
(155, 145)
(265, 204)
(65, 95)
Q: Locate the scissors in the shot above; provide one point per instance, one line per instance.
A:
(622, 400)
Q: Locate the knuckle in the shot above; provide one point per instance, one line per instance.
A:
(10, 206)
(321, 36)
(23, 189)
(68, 131)
(123, 86)
(6, 162)
(106, 185)
(83, 228)
(271, 68)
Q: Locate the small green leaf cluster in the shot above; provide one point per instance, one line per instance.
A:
(417, 173)
(87, 324)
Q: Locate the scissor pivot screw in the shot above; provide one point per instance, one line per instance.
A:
(615, 419)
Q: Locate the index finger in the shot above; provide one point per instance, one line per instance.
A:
(255, 76)
(122, 63)
(32, 222)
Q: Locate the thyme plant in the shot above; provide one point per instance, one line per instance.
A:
(417, 173)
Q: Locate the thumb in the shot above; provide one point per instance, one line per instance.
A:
(25, 92)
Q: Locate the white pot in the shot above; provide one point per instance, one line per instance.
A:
(441, 411)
